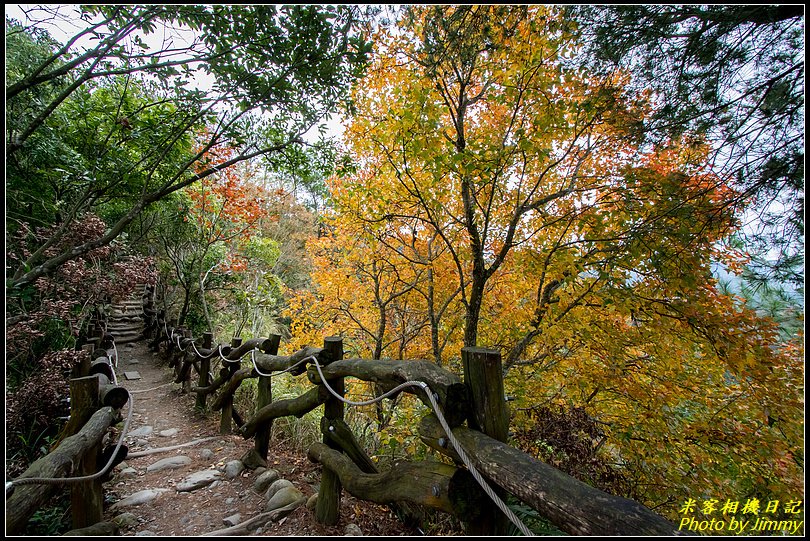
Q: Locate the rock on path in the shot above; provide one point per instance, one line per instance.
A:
(233, 468)
(169, 463)
(198, 480)
(142, 431)
(284, 497)
(140, 497)
(263, 481)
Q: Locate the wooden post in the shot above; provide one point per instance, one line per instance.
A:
(483, 375)
(82, 368)
(227, 407)
(84, 395)
(86, 499)
(176, 357)
(264, 395)
(187, 376)
(337, 432)
(327, 508)
(26, 499)
(169, 342)
(205, 367)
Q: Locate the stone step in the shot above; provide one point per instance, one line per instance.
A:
(125, 313)
(126, 316)
(124, 325)
(127, 305)
(124, 332)
(126, 338)
(125, 320)
(123, 328)
(128, 300)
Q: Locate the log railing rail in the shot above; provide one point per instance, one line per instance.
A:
(479, 450)
(78, 460)
(477, 400)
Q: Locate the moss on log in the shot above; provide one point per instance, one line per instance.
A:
(432, 484)
(60, 463)
(281, 408)
(570, 504)
(453, 395)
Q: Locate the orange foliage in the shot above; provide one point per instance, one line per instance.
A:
(603, 298)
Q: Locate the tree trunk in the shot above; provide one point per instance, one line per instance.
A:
(434, 321)
(60, 463)
(432, 484)
(570, 504)
(184, 310)
(473, 314)
(453, 395)
(282, 408)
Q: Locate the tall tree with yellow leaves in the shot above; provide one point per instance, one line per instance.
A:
(521, 182)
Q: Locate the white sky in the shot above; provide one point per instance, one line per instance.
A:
(67, 25)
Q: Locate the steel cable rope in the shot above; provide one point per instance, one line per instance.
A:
(271, 374)
(459, 449)
(115, 349)
(84, 478)
(170, 336)
(115, 377)
(201, 356)
(227, 360)
(196, 351)
(114, 364)
(434, 404)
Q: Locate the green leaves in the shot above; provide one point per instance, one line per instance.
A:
(728, 73)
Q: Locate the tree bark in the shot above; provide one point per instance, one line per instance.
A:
(282, 408)
(453, 395)
(433, 484)
(59, 463)
(570, 504)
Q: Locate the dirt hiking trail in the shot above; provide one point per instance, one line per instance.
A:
(203, 488)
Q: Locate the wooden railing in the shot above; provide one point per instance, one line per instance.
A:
(95, 405)
(477, 400)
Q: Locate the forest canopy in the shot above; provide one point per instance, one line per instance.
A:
(569, 186)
